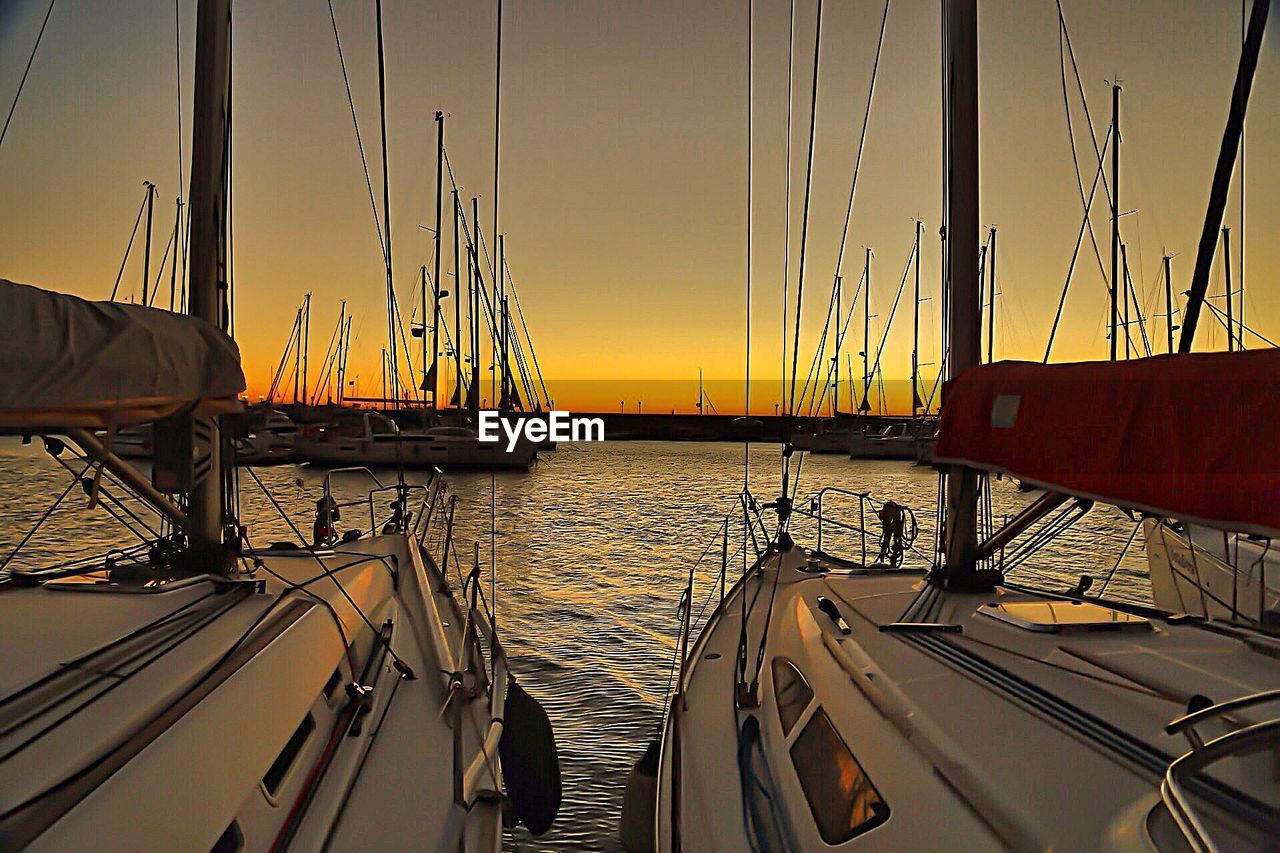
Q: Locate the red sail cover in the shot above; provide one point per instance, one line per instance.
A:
(1194, 437)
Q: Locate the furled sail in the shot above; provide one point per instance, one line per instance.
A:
(1193, 436)
(68, 362)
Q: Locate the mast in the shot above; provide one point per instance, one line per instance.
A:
(210, 165)
(960, 147)
(865, 407)
(473, 393)
(456, 400)
(146, 252)
(1226, 270)
(431, 380)
(991, 289)
(342, 365)
(835, 386)
(1168, 302)
(173, 267)
(915, 329)
(306, 342)
(1222, 172)
(500, 288)
(1115, 213)
(337, 353)
(389, 356)
(297, 356)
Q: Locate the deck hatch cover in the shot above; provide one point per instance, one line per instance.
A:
(1058, 616)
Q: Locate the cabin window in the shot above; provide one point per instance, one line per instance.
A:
(231, 840)
(280, 767)
(791, 691)
(843, 800)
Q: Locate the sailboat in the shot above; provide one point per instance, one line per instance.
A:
(445, 439)
(851, 703)
(206, 690)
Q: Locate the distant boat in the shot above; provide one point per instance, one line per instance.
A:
(1208, 573)
(373, 439)
(891, 442)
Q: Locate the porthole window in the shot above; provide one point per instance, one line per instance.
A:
(791, 691)
(843, 800)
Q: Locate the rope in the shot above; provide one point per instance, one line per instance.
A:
(26, 71)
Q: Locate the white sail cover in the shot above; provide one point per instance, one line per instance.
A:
(69, 362)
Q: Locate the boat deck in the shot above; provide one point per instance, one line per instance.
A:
(976, 735)
(172, 715)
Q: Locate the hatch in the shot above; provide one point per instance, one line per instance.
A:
(1058, 616)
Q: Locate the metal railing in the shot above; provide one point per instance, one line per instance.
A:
(817, 510)
(1243, 741)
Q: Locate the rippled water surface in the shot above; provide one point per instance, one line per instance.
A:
(594, 546)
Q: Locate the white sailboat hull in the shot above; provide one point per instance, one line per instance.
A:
(1195, 576)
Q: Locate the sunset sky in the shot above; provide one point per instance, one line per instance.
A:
(624, 168)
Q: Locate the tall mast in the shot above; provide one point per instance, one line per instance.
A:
(1226, 270)
(306, 341)
(297, 356)
(1168, 302)
(173, 267)
(1115, 214)
(210, 164)
(982, 283)
(866, 334)
(915, 329)
(500, 306)
(835, 386)
(456, 400)
(337, 355)
(1222, 172)
(390, 355)
(473, 395)
(960, 145)
(431, 379)
(991, 289)
(146, 252)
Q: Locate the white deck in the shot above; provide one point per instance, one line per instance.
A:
(961, 762)
(164, 741)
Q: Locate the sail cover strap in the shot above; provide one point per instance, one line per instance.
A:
(1189, 436)
(69, 362)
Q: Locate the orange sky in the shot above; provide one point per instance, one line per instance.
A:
(623, 165)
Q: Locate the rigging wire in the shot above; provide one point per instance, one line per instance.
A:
(129, 247)
(862, 141)
(23, 82)
(804, 221)
(786, 227)
(177, 79)
(351, 103)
